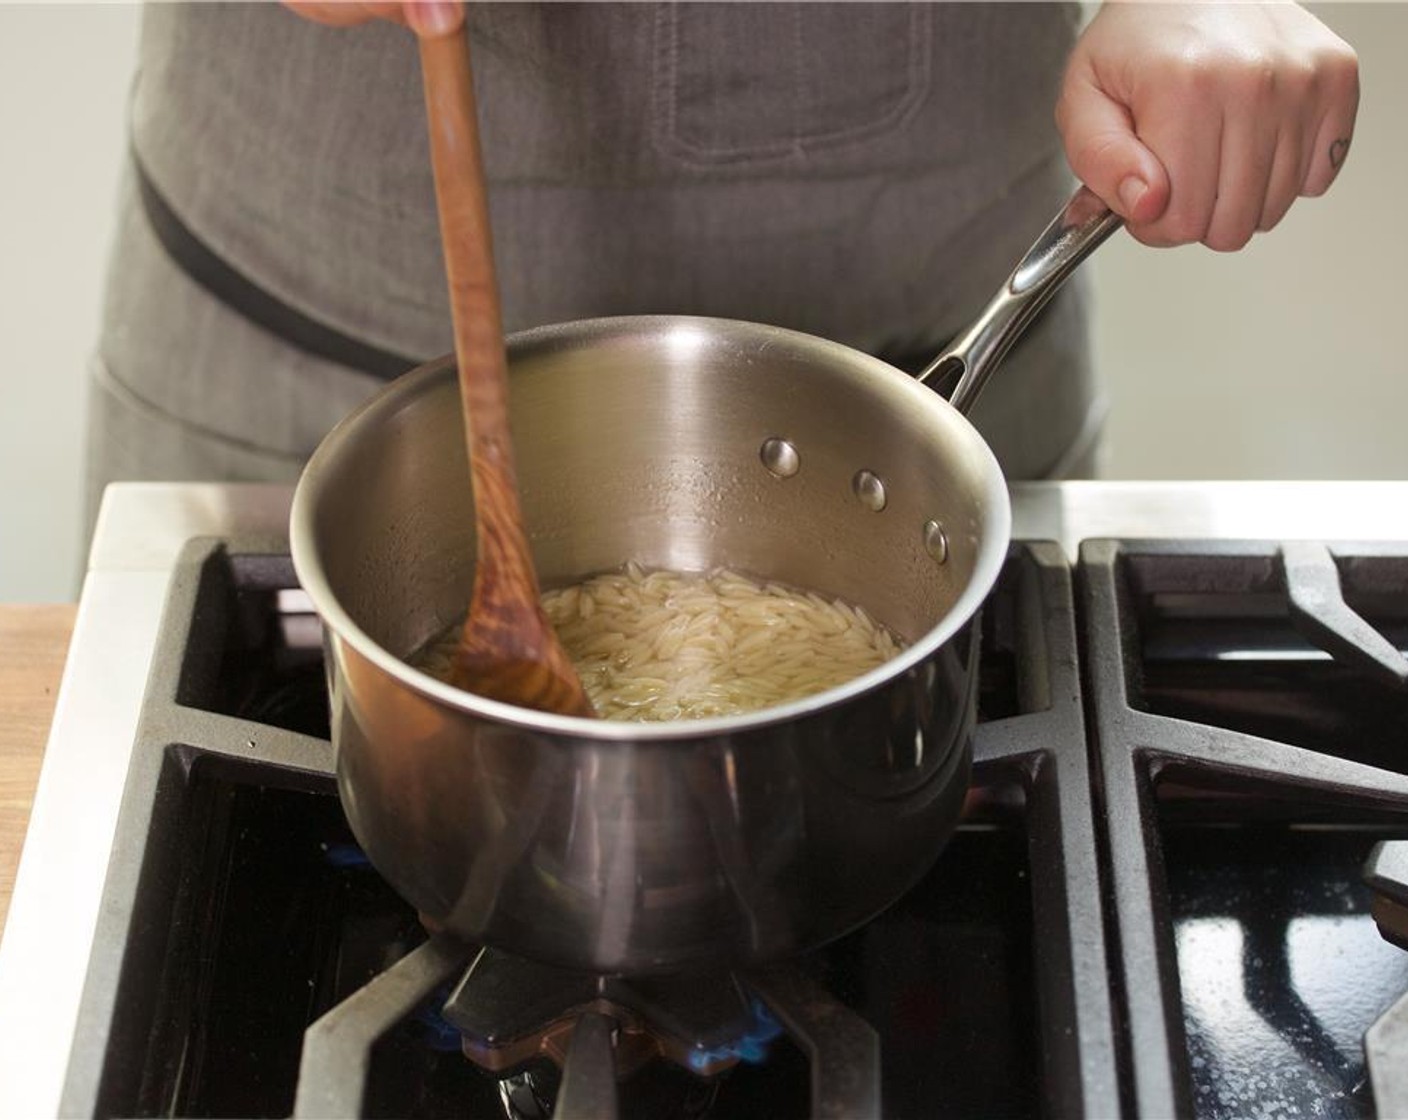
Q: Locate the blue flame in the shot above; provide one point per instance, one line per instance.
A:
(752, 1047)
(345, 856)
(436, 1031)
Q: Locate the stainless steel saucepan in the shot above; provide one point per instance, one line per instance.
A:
(687, 444)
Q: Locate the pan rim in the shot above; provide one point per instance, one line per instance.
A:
(990, 557)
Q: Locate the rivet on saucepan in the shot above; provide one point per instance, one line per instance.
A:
(936, 541)
(780, 457)
(869, 490)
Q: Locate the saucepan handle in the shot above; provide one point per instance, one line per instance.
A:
(1083, 223)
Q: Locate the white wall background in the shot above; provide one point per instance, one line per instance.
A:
(1283, 361)
(64, 73)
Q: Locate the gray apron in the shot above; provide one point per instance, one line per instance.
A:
(864, 172)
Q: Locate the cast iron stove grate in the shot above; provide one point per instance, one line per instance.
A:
(1255, 793)
(238, 910)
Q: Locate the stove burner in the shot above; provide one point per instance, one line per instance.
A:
(842, 1050)
(512, 1010)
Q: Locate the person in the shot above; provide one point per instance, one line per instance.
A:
(865, 172)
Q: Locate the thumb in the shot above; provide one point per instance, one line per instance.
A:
(1108, 157)
(433, 18)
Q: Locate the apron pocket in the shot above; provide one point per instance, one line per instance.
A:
(769, 83)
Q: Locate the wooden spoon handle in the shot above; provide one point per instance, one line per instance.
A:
(474, 294)
(508, 649)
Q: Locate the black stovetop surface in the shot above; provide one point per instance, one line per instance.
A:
(1156, 903)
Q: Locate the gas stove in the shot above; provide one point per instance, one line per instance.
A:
(1180, 885)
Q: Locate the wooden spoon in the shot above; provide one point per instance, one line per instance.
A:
(508, 650)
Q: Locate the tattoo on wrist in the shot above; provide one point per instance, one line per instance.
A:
(1338, 150)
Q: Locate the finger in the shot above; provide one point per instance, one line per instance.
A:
(1331, 145)
(1107, 156)
(432, 18)
(334, 14)
(1246, 159)
(1288, 170)
(1329, 151)
(1189, 144)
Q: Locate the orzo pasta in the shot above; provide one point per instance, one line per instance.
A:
(658, 645)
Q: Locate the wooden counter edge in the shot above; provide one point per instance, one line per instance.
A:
(34, 643)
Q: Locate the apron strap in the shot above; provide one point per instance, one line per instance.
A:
(232, 288)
